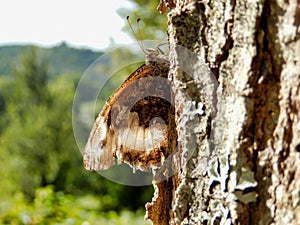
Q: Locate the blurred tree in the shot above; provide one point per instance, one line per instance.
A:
(153, 25)
(38, 138)
(31, 79)
(5, 90)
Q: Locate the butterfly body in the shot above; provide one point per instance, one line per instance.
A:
(133, 124)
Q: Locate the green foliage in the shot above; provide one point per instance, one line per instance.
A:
(43, 142)
(51, 207)
(31, 80)
(153, 25)
(5, 91)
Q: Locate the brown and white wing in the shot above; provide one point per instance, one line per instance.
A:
(140, 118)
(98, 152)
(132, 126)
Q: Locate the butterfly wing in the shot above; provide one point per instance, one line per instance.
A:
(132, 125)
(98, 152)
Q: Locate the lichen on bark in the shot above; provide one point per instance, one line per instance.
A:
(241, 166)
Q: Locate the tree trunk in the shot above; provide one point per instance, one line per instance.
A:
(238, 159)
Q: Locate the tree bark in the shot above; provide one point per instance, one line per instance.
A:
(238, 158)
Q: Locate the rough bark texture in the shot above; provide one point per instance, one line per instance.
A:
(239, 159)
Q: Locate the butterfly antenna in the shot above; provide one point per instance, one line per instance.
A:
(138, 38)
(140, 33)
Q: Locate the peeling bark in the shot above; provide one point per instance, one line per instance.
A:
(238, 161)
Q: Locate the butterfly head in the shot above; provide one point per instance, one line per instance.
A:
(155, 55)
(151, 54)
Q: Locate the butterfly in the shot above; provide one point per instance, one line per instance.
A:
(134, 124)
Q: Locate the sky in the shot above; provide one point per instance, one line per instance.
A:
(89, 23)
